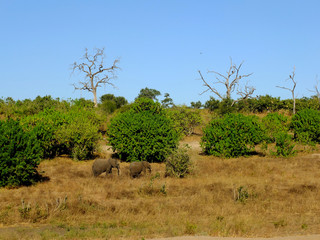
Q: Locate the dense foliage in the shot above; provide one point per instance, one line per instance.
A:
(306, 127)
(275, 123)
(261, 104)
(277, 131)
(232, 135)
(149, 93)
(19, 155)
(143, 133)
(74, 132)
(110, 103)
(184, 119)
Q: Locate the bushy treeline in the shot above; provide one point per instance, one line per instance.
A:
(43, 128)
(235, 134)
(259, 104)
(143, 130)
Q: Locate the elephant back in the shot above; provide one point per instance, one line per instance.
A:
(99, 166)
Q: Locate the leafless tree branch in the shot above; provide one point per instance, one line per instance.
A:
(245, 94)
(316, 89)
(96, 74)
(230, 80)
(292, 76)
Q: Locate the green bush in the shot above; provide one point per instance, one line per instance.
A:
(305, 103)
(19, 155)
(146, 105)
(233, 135)
(284, 145)
(212, 104)
(74, 132)
(275, 123)
(185, 119)
(306, 127)
(264, 104)
(225, 106)
(143, 133)
(178, 163)
(79, 135)
(277, 131)
(45, 125)
(110, 103)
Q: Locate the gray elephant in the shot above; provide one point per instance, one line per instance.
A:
(101, 165)
(137, 167)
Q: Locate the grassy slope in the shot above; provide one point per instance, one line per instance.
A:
(283, 199)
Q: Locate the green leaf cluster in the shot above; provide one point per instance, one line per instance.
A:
(143, 133)
(19, 155)
(110, 103)
(74, 132)
(275, 123)
(277, 131)
(185, 119)
(232, 135)
(305, 125)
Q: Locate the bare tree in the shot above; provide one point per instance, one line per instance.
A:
(230, 81)
(292, 76)
(316, 89)
(96, 74)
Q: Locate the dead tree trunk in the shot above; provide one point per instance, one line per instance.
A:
(292, 76)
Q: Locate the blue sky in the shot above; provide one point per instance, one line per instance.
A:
(161, 45)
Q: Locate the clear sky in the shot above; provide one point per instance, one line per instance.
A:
(161, 45)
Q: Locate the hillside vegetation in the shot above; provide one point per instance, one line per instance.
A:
(271, 189)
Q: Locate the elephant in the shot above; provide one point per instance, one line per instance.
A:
(137, 167)
(101, 165)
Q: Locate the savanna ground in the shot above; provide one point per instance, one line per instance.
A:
(256, 196)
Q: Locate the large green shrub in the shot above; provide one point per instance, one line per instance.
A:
(275, 123)
(305, 125)
(74, 132)
(185, 119)
(277, 131)
(233, 135)
(143, 133)
(79, 135)
(45, 125)
(19, 155)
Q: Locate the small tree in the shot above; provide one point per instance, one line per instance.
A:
(230, 81)
(149, 93)
(96, 74)
(196, 105)
(167, 101)
(292, 89)
(109, 102)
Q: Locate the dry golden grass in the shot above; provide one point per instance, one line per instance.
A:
(278, 197)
